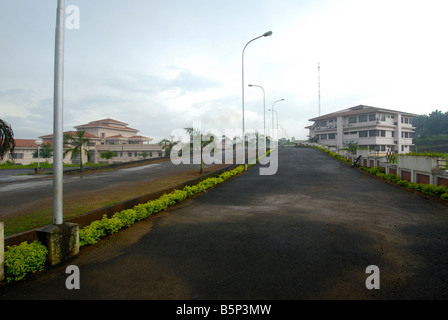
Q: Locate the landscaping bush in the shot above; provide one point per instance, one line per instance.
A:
(23, 259)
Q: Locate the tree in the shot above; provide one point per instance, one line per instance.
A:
(167, 145)
(196, 134)
(7, 142)
(144, 155)
(108, 155)
(75, 142)
(46, 152)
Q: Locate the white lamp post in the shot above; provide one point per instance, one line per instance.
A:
(38, 142)
(266, 34)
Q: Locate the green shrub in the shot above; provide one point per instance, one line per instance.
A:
(23, 259)
(444, 196)
(403, 183)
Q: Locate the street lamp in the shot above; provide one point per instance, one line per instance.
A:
(38, 142)
(273, 113)
(264, 106)
(276, 114)
(266, 34)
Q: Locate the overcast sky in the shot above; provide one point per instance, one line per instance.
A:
(161, 65)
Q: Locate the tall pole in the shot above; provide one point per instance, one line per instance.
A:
(58, 115)
(318, 76)
(273, 112)
(266, 34)
(264, 106)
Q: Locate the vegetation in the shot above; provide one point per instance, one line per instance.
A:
(204, 141)
(7, 142)
(108, 155)
(167, 145)
(46, 152)
(23, 259)
(431, 133)
(75, 143)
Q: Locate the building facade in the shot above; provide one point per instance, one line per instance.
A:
(374, 128)
(104, 135)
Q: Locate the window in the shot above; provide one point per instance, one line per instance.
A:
(323, 123)
(383, 133)
(363, 118)
(373, 133)
(16, 156)
(331, 136)
(160, 154)
(363, 134)
(352, 119)
(323, 137)
(372, 117)
(383, 117)
(130, 154)
(354, 132)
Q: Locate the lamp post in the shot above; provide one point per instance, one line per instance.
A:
(276, 114)
(264, 106)
(273, 113)
(58, 114)
(38, 142)
(266, 34)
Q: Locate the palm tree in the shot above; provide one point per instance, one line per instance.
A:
(167, 145)
(77, 141)
(7, 142)
(209, 139)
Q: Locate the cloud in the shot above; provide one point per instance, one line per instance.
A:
(186, 82)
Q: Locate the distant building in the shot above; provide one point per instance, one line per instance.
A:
(368, 127)
(104, 135)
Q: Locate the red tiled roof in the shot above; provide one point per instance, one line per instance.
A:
(108, 123)
(25, 143)
(86, 134)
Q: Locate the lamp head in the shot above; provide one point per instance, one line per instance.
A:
(267, 34)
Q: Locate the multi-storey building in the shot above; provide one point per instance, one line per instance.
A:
(368, 127)
(104, 135)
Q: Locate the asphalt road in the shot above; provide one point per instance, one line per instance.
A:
(308, 232)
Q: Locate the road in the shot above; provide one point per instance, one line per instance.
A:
(308, 232)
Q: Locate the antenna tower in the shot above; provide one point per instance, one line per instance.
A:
(318, 75)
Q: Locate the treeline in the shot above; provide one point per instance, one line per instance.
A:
(433, 124)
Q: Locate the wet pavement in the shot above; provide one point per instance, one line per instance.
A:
(308, 232)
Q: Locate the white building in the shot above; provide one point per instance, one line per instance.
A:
(104, 135)
(368, 127)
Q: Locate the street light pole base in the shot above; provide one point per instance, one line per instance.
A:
(61, 240)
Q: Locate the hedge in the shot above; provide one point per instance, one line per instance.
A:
(429, 189)
(26, 258)
(23, 259)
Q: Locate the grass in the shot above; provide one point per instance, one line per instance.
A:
(10, 165)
